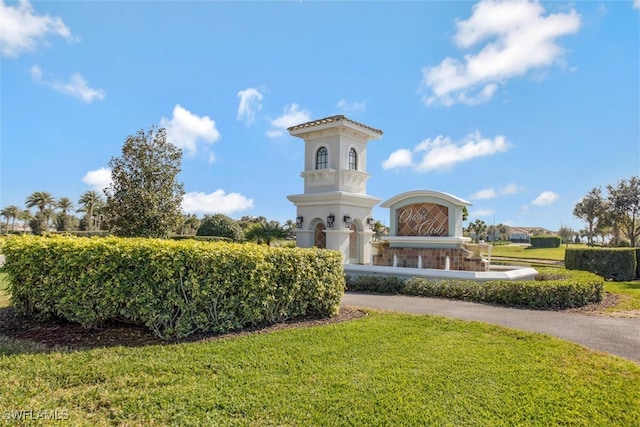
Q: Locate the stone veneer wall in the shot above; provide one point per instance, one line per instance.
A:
(459, 259)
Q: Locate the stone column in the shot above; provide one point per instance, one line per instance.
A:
(338, 239)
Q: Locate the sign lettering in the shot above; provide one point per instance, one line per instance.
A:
(424, 219)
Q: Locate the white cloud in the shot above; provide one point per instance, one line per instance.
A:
(398, 159)
(185, 129)
(351, 108)
(492, 193)
(250, 104)
(636, 4)
(274, 133)
(442, 153)
(216, 202)
(545, 198)
(291, 116)
(521, 39)
(98, 179)
(76, 86)
(510, 189)
(485, 194)
(481, 213)
(22, 29)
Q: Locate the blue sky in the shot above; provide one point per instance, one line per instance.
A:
(519, 107)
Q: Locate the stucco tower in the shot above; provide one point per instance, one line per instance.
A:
(335, 211)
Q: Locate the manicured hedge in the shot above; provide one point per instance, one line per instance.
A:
(79, 233)
(619, 264)
(175, 288)
(545, 241)
(553, 289)
(202, 238)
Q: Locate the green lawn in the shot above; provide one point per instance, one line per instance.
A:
(630, 292)
(556, 254)
(385, 369)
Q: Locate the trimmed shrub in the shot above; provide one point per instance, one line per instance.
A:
(175, 288)
(220, 225)
(619, 264)
(82, 233)
(375, 284)
(202, 238)
(553, 289)
(545, 241)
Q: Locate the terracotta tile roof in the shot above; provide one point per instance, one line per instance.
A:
(331, 119)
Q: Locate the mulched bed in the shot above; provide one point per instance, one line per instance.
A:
(60, 334)
(609, 300)
(64, 335)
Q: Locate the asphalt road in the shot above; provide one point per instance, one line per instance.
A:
(618, 336)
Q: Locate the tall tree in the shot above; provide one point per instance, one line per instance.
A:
(624, 202)
(503, 231)
(11, 212)
(379, 230)
(478, 227)
(41, 200)
(290, 227)
(64, 221)
(567, 234)
(90, 201)
(190, 224)
(25, 216)
(220, 225)
(144, 198)
(590, 209)
(64, 204)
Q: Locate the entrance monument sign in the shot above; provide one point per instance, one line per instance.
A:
(426, 232)
(335, 211)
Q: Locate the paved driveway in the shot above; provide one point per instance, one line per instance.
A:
(620, 337)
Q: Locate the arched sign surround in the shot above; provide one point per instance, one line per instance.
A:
(426, 232)
(425, 213)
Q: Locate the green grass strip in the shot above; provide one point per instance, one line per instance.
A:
(385, 369)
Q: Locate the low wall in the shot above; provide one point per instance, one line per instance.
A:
(432, 258)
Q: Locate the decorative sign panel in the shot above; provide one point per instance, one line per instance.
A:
(423, 219)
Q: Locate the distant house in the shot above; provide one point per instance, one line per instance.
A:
(523, 234)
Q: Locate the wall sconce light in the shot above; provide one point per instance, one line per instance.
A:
(299, 221)
(330, 219)
(347, 220)
(371, 223)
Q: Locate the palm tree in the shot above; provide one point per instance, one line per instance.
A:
(64, 204)
(41, 200)
(267, 232)
(379, 230)
(290, 227)
(479, 227)
(10, 212)
(90, 201)
(49, 216)
(25, 215)
(64, 221)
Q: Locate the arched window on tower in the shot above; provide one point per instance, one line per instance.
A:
(322, 158)
(353, 159)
